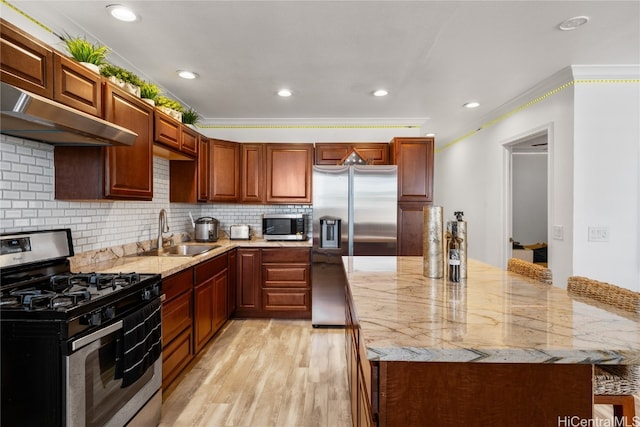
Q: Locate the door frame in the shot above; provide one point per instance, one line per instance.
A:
(546, 129)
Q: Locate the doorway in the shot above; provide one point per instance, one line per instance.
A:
(528, 195)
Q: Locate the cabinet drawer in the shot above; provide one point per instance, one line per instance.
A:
(177, 284)
(206, 270)
(176, 355)
(285, 275)
(290, 299)
(286, 255)
(176, 316)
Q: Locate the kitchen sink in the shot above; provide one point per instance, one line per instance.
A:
(180, 250)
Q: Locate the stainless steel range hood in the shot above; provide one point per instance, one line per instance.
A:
(30, 116)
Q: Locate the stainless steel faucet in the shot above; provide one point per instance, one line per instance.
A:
(163, 226)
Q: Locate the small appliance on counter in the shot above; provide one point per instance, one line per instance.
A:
(239, 232)
(284, 227)
(205, 229)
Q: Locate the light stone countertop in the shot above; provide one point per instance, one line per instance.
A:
(494, 316)
(124, 260)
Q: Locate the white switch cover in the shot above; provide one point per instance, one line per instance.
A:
(598, 234)
(558, 232)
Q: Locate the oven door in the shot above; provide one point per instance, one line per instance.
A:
(94, 396)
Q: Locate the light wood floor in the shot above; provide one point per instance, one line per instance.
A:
(261, 373)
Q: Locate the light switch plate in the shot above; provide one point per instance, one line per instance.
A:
(557, 232)
(598, 234)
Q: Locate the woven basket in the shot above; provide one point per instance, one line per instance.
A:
(531, 270)
(606, 293)
(616, 380)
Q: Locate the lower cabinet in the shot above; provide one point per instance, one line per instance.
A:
(273, 282)
(210, 299)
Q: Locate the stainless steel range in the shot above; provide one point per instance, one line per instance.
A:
(77, 349)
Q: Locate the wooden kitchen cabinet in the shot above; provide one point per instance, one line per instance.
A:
(289, 169)
(286, 284)
(166, 130)
(224, 171)
(414, 157)
(77, 86)
(122, 173)
(248, 282)
(177, 320)
(188, 178)
(333, 153)
(210, 299)
(232, 265)
(26, 62)
(202, 171)
(252, 167)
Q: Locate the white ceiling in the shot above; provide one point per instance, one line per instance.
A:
(432, 56)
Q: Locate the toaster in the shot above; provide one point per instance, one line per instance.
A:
(239, 232)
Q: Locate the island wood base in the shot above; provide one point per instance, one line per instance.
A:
(479, 394)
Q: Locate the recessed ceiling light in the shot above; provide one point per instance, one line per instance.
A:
(573, 23)
(380, 92)
(122, 13)
(284, 93)
(472, 104)
(430, 135)
(185, 74)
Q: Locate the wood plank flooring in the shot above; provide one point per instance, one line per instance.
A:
(262, 373)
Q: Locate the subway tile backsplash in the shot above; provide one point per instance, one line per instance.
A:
(27, 203)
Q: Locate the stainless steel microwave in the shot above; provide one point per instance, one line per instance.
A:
(284, 227)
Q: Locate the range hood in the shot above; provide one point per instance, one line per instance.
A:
(30, 116)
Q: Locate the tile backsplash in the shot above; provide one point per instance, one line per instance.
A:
(27, 203)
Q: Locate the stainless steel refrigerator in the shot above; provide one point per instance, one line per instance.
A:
(354, 213)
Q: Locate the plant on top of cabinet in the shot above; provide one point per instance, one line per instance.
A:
(122, 77)
(149, 91)
(86, 52)
(170, 107)
(190, 117)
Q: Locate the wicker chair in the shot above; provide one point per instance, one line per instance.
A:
(529, 269)
(613, 384)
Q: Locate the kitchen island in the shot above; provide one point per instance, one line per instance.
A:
(495, 349)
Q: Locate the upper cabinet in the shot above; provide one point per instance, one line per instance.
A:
(289, 169)
(124, 173)
(252, 167)
(181, 140)
(77, 86)
(333, 153)
(26, 63)
(414, 157)
(224, 171)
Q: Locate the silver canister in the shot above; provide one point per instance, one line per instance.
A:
(432, 244)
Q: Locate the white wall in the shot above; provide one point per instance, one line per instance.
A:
(470, 175)
(529, 197)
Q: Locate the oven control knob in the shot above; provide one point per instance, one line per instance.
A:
(109, 313)
(146, 294)
(95, 318)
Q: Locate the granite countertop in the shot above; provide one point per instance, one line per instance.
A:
(124, 259)
(494, 316)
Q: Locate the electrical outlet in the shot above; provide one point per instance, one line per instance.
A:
(598, 234)
(557, 232)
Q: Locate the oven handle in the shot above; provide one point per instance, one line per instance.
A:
(86, 340)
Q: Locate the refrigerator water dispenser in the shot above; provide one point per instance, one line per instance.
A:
(330, 232)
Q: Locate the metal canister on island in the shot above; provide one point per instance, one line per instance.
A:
(457, 248)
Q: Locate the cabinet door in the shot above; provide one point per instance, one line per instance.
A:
(166, 130)
(248, 282)
(289, 168)
(189, 142)
(129, 170)
(220, 311)
(374, 153)
(231, 282)
(330, 153)
(224, 175)
(203, 298)
(414, 157)
(203, 170)
(410, 229)
(77, 86)
(252, 167)
(25, 62)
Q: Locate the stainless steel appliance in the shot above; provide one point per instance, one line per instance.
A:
(354, 213)
(284, 227)
(239, 232)
(206, 229)
(84, 348)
